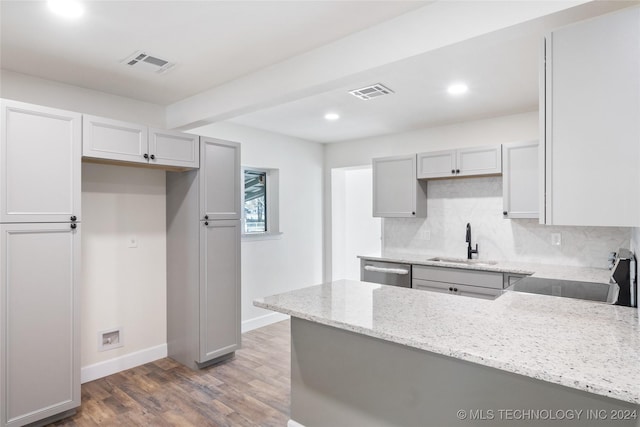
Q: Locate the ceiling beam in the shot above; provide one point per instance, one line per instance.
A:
(433, 26)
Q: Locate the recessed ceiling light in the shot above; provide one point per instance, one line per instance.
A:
(66, 8)
(332, 116)
(457, 88)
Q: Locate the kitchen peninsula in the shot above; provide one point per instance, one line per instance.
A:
(375, 355)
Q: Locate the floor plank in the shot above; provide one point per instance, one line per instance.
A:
(249, 390)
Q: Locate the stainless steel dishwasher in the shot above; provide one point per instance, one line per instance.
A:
(385, 273)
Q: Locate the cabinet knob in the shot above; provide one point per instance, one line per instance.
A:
(504, 213)
(73, 226)
(450, 289)
(413, 213)
(455, 289)
(153, 156)
(146, 156)
(457, 170)
(453, 171)
(73, 218)
(206, 217)
(206, 223)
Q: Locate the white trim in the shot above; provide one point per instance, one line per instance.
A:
(122, 363)
(292, 423)
(260, 321)
(256, 237)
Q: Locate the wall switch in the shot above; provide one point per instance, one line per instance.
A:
(556, 239)
(110, 339)
(132, 242)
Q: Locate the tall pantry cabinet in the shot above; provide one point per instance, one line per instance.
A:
(203, 257)
(40, 152)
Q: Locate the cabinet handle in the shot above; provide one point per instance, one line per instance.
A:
(206, 217)
(450, 289)
(73, 218)
(146, 156)
(457, 170)
(455, 289)
(504, 213)
(206, 223)
(153, 156)
(453, 171)
(73, 226)
(413, 213)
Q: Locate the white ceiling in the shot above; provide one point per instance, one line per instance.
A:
(219, 44)
(211, 41)
(500, 68)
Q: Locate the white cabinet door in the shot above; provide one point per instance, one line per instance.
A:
(437, 164)
(114, 140)
(39, 328)
(396, 189)
(520, 179)
(591, 122)
(219, 288)
(170, 148)
(479, 161)
(40, 153)
(220, 181)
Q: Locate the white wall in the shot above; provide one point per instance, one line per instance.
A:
(122, 286)
(355, 231)
(293, 260)
(25, 88)
(518, 127)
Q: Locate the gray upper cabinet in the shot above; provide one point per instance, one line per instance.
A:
(39, 328)
(520, 179)
(40, 150)
(590, 109)
(118, 141)
(220, 181)
(471, 161)
(114, 140)
(172, 148)
(396, 191)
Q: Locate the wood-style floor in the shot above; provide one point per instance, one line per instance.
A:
(250, 390)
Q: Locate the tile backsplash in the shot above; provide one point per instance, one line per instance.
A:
(452, 203)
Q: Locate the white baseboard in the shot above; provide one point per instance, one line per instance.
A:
(292, 423)
(260, 321)
(122, 363)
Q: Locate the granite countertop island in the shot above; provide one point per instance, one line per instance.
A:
(582, 345)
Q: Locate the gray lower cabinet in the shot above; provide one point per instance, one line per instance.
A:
(203, 261)
(474, 283)
(39, 331)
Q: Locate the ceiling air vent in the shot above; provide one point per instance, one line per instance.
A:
(143, 61)
(370, 92)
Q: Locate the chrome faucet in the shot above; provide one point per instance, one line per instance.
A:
(470, 251)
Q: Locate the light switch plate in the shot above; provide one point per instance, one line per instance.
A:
(556, 239)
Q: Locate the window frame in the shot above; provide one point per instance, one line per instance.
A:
(272, 202)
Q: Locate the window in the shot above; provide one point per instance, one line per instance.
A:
(260, 204)
(255, 201)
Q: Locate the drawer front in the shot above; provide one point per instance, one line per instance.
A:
(484, 279)
(455, 289)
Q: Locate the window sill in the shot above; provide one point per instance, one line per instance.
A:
(255, 237)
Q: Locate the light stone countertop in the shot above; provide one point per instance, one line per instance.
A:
(584, 345)
(546, 271)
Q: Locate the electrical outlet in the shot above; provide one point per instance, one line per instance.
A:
(556, 239)
(132, 242)
(425, 235)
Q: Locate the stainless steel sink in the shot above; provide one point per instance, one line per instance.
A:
(462, 261)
